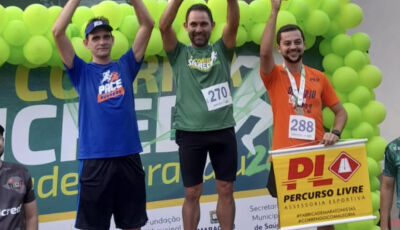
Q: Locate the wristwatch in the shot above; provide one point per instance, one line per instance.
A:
(336, 132)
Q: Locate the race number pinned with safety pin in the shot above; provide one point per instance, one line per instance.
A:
(301, 127)
(217, 96)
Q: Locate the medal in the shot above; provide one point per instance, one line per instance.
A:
(299, 110)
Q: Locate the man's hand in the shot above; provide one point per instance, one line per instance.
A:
(275, 5)
(329, 139)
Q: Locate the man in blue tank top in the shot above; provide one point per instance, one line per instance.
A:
(109, 143)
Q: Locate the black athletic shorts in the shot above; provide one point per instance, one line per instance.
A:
(193, 149)
(271, 183)
(111, 186)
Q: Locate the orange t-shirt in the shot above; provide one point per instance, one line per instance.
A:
(318, 91)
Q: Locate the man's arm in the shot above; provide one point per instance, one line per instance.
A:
(146, 24)
(167, 32)
(63, 43)
(267, 41)
(232, 24)
(387, 190)
(338, 124)
(31, 216)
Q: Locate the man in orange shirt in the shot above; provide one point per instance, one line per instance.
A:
(297, 92)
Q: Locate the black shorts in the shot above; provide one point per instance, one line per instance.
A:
(111, 186)
(193, 149)
(271, 183)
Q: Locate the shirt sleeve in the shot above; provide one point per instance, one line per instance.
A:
(268, 79)
(129, 61)
(329, 97)
(30, 194)
(228, 53)
(173, 55)
(390, 168)
(76, 71)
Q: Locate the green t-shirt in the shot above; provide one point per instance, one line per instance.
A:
(392, 164)
(196, 69)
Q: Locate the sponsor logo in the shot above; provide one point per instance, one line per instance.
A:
(110, 86)
(203, 64)
(10, 211)
(344, 166)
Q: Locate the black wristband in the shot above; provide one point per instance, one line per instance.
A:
(336, 132)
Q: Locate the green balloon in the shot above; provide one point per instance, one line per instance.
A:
(375, 201)
(80, 49)
(55, 60)
(152, 8)
(342, 97)
(216, 33)
(183, 36)
(375, 147)
(299, 9)
(351, 15)
(241, 36)
(325, 47)
(36, 18)
(376, 221)
(334, 29)
(331, 62)
(361, 41)
(317, 23)
(257, 32)
(72, 31)
(14, 13)
(328, 117)
(155, 45)
(363, 130)
(16, 33)
(377, 131)
(345, 79)
(3, 18)
(342, 44)
(330, 7)
(346, 134)
(341, 226)
(218, 10)
(260, 11)
(354, 115)
(360, 96)
(127, 10)
(110, 10)
(284, 18)
(129, 26)
(121, 45)
(373, 167)
(16, 55)
(374, 112)
(309, 40)
(366, 224)
(370, 76)
(38, 50)
(82, 15)
(373, 182)
(5, 51)
(244, 10)
(355, 59)
(54, 12)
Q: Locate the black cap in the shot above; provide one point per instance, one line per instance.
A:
(1, 130)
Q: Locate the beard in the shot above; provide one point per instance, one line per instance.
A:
(1, 151)
(199, 42)
(293, 61)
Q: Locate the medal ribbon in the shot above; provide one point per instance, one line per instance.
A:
(298, 94)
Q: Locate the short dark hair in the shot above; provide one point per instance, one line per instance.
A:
(1, 130)
(287, 28)
(200, 7)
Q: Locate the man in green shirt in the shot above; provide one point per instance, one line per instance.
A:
(390, 180)
(203, 116)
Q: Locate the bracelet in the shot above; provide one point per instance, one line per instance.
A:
(336, 132)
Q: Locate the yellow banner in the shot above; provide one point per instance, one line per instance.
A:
(319, 185)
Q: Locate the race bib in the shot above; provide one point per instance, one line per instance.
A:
(217, 96)
(301, 127)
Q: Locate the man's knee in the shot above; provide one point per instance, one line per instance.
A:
(193, 193)
(225, 188)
